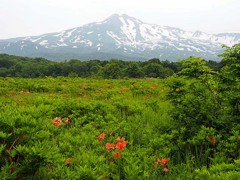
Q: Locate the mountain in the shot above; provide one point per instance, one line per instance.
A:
(121, 37)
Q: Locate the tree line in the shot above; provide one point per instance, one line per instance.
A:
(17, 66)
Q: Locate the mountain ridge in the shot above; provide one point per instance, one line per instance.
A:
(123, 37)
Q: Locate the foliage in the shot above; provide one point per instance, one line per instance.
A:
(182, 127)
(204, 115)
(16, 66)
(230, 79)
(50, 128)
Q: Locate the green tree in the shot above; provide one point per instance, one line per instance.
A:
(112, 70)
(231, 59)
(230, 79)
(194, 67)
(156, 70)
(133, 70)
(195, 96)
(4, 72)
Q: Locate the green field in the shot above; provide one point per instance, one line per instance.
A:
(182, 127)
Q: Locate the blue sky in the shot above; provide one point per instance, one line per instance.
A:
(35, 17)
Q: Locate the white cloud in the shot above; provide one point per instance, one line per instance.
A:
(163, 5)
(33, 17)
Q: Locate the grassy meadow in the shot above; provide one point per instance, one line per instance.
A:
(75, 128)
(185, 126)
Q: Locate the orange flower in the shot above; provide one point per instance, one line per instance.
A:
(124, 89)
(117, 155)
(213, 140)
(121, 145)
(102, 136)
(164, 161)
(165, 170)
(67, 161)
(57, 121)
(120, 139)
(110, 146)
(21, 101)
(101, 142)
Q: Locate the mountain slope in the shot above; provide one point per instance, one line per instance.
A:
(123, 37)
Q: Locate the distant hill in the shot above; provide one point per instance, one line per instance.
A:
(121, 37)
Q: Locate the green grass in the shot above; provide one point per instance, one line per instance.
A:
(31, 147)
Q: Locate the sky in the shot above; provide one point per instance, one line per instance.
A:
(19, 18)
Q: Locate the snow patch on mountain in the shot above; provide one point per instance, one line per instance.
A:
(43, 43)
(115, 37)
(125, 36)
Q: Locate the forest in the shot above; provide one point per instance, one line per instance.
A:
(120, 119)
(16, 66)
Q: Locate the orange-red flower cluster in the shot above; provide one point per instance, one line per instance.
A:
(119, 146)
(117, 155)
(110, 146)
(163, 162)
(212, 140)
(165, 170)
(57, 121)
(102, 136)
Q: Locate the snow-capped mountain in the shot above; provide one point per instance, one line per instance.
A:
(122, 37)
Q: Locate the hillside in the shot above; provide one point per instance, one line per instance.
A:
(122, 37)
